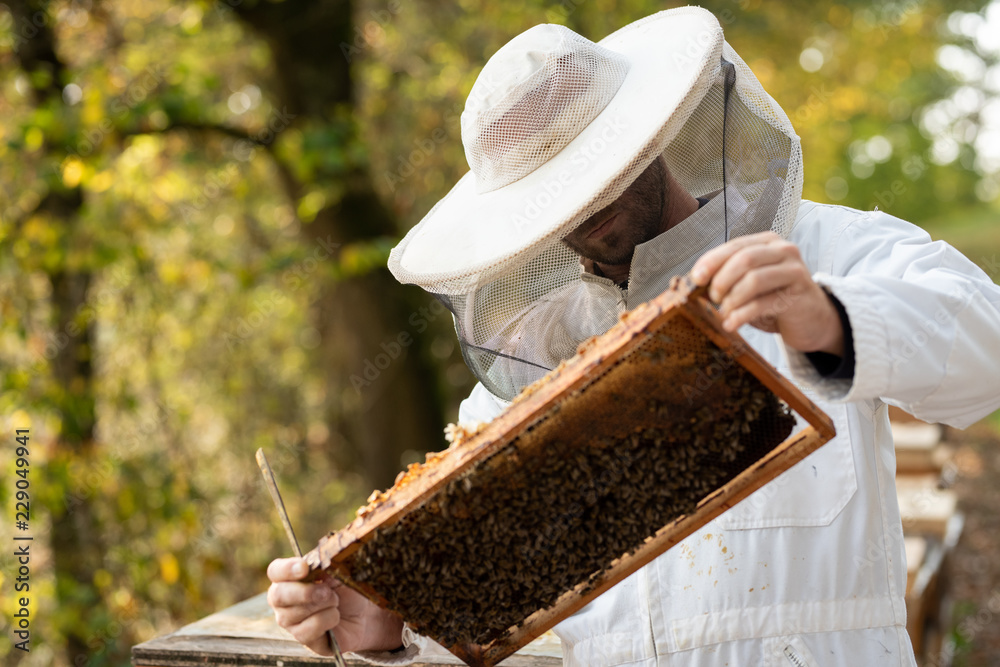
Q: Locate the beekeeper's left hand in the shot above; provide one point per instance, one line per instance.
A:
(761, 280)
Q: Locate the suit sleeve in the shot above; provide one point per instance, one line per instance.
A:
(416, 648)
(480, 406)
(925, 319)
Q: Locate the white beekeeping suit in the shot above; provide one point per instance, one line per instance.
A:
(810, 569)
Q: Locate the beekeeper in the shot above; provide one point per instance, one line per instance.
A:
(598, 172)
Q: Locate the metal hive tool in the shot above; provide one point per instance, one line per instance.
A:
(651, 431)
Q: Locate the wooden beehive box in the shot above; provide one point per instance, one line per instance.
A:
(649, 432)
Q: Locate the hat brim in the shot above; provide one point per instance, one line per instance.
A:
(470, 237)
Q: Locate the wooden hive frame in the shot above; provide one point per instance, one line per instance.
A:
(682, 300)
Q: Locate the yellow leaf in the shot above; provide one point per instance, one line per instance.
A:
(166, 190)
(126, 502)
(351, 259)
(169, 272)
(310, 205)
(121, 598)
(170, 571)
(100, 182)
(102, 578)
(199, 272)
(72, 172)
(20, 419)
(33, 139)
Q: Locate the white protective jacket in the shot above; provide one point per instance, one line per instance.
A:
(810, 569)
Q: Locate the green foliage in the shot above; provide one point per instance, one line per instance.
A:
(857, 114)
(206, 280)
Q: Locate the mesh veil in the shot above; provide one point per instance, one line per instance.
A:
(520, 310)
(733, 150)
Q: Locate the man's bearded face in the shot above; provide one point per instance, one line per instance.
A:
(611, 235)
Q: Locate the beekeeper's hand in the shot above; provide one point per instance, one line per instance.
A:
(308, 610)
(761, 280)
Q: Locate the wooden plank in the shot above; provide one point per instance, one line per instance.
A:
(917, 462)
(172, 651)
(189, 650)
(251, 619)
(924, 508)
(918, 447)
(247, 635)
(926, 608)
(916, 435)
(916, 549)
(898, 415)
(922, 597)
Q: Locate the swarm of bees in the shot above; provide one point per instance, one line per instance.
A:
(604, 470)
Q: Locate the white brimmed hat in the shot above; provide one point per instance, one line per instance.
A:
(555, 128)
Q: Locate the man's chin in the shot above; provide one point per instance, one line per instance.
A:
(610, 259)
(612, 253)
(602, 253)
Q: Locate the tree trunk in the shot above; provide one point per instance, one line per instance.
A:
(75, 543)
(402, 409)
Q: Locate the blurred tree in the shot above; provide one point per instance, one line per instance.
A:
(316, 88)
(76, 537)
(80, 139)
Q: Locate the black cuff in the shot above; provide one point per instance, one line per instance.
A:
(830, 366)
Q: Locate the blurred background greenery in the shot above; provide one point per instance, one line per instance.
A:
(197, 200)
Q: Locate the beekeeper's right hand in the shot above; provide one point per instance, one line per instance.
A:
(308, 610)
